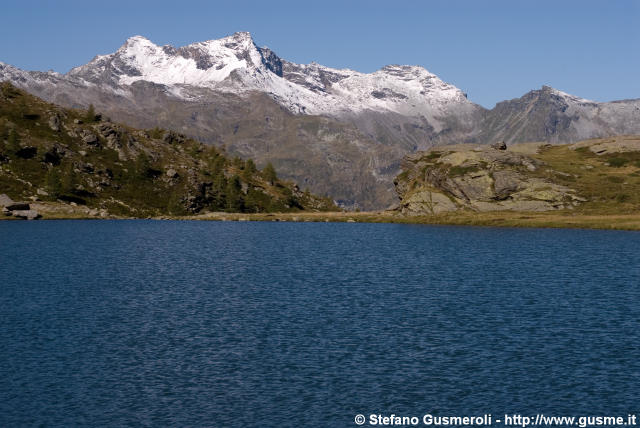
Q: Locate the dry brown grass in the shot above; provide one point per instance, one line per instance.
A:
(497, 219)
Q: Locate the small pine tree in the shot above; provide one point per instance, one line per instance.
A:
(269, 173)
(68, 181)
(253, 201)
(237, 163)
(219, 188)
(54, 183)
(233, 195)
(217, 165)
(250, 166)
(249, 170)
(91, 114)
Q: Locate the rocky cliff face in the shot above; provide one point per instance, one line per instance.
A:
(479, 179)
(339, 131)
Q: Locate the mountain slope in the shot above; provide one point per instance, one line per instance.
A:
(557, 117)
(339, 131)
(71, 156)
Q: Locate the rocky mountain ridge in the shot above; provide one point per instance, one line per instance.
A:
(338, 131)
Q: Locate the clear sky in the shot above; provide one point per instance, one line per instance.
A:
(493, 50)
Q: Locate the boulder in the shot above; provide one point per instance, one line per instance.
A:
(501, 145)
(5, 200)
(427, 202)
(89, 137)
(171, 137)
(54, 123)
(172, 173)
(26, 214)
(506, 182)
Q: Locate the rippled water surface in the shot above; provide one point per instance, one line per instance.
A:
(147, 323)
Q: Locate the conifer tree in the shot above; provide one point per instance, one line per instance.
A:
(269, 173)
(233, 195)
(91, 114)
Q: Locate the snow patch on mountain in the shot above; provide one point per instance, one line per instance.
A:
(235, 64)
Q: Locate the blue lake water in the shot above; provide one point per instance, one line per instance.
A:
(227, 324)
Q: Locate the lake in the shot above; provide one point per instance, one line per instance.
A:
(243, 324)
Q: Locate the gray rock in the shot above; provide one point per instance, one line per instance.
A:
(501, 145)
(506, 182)
(54, 123)
(481, 180)
(89, 137)
(5, 200)
(26, 214)
(172, 173)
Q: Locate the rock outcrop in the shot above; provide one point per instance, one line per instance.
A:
(17, 209)
(477, 178)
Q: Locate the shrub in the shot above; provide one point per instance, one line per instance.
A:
(617, 162)
(622, 197)
(456, 171)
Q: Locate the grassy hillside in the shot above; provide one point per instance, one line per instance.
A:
(80, 158)
(593, 177)
(610, 182)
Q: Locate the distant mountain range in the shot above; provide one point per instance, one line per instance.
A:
(339, 132)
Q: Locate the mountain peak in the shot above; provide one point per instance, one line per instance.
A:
(564, 95)
(244, 35)
(137, 41)
(236, 64)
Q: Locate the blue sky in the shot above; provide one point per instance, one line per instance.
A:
(493, 50)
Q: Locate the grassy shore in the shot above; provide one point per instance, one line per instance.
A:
(555, 219)
(495, 219)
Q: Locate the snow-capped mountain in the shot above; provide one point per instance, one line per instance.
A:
(235, 64)
(339, 131)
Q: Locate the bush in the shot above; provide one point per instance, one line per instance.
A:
(621, 197)
(617, 162)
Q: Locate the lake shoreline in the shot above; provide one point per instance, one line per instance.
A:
(556, 219)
